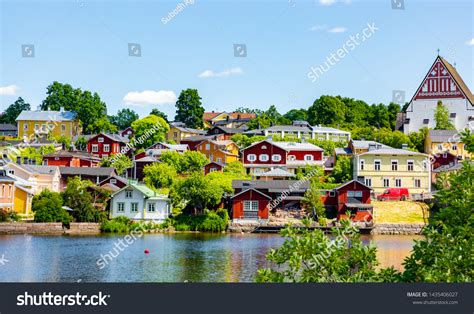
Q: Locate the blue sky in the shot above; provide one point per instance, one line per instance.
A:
(85, 44)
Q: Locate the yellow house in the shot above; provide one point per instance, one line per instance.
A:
(222, 152)
(211, 118)
(391, 168)
(179, 131)
(23, 200)
(42, 123)
(446, 141)
(37, 177)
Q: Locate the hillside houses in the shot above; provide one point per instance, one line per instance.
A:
(32, 124)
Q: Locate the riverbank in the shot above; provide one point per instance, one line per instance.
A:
(50, 228)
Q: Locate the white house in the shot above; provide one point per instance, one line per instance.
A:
(138, 202)
(441, 83)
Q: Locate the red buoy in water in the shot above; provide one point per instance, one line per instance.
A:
(147, 251)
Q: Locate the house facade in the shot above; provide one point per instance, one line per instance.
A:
(70, 159)
(94, 175)
(138, 202)
(213, 166)
(222, 151)
(104, 145)
(38, 177)
(8, 130)
(178, 131)
(441, 83)
(439, 142)
(385, 168)
(7, 191)
(302, 130)
(32, 124)
(225, 132)
(265, 155)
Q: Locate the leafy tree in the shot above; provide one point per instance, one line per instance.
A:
(47, 207)
(12, 112)
(189, 109)
(417, 139)
(468, 140)
(64, 140)
(326, 110)
(88, 106)
(356, 112)
(244, 141)
(261, 121)
(76, 197)
(159, 113)
(296, 115)
(81, 143)
(342, 171)
(441, 117)
(159, 175)
(149, 130)
(394, 138)
(187, 162)
(313, 256)
(124, 118)
(119, 162)
(101, 124)
(328, 145)
(235, 168)
(379, 116)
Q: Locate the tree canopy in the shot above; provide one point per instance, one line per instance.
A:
(441, 116)
(124, 118)
(149, 130)
(12, 112)
(189, 109)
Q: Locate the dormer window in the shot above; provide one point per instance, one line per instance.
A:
(100, 139)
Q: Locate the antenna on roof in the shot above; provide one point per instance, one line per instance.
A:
(438, 52)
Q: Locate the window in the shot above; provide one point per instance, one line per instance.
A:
(113, 181)
(175, 134)
(332, 193)
(56, 158)
(36, 127)
(377, 165)
(252, 157)
(251, 206)
(350, 193)
(410, 165)
(264, 146)
(100, 140)
(120, 207)
(358, 193)
(128, 194)
(417, 183)
(308, 157)
(386, 183)
(425, 165)
(454, 147)
(276, 158)
(134, 207)
(106, 148)
(263, 157)
(219, 160)
(398, 183)
(440, 146)
(208, 146)
(394, 165)
(445, 155)
(25, 126)
(426, 121)
(95, 148)
(361, 164)
(292, 157)
(105, 155)
(368, 182)
(212, 169)
(452, 115)
(63, 127)
(151, 207)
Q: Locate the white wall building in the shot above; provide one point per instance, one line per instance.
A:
(138, 202)
(442, 82)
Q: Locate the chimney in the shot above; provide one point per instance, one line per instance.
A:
(33, 161)
(26, 161)
(404, 146)
(18, 160)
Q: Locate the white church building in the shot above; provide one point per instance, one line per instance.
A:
(442, 82)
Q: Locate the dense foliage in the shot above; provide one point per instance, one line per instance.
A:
(189, 109)
(124, 118)
(47, 207)
(149, 130)
(12, 112)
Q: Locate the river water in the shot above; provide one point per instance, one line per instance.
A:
(192, 257)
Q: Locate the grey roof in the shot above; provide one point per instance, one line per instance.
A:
(290, 128)
(444, 168)
(115, 137)
(87, 171)
(392, 151)
(363, 144)
(228, 130)
(255, 132)
(444, 136)
(297, 146)
(271, 185)
(198, 138)
(7, 127)
(183, 128)
(58, 116)
(325, 129)
(76, 154)
(275, 172)
(40, 169)
(342, 151)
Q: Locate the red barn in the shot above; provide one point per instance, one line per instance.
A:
(445, 159)
(250, 204)
(70, 159)
(352, 196)
(267, 154)
(104, 145)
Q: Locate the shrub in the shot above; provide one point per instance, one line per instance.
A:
(47, 207)
(119, 224)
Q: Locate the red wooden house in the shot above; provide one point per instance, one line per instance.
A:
(352, 196)
(114, 183)
(445, 159)
(250, 204)
(70, 159)
(213, 166)
(104, 145)
(264, 155)
(128, 132)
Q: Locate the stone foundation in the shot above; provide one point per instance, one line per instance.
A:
(397, 229)
(49, 228)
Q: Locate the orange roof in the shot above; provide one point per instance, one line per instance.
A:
(207, 116)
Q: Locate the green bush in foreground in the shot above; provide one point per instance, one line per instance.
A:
(8, 215)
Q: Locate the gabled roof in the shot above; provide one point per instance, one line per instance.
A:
(215, 163)
(113, 137)
(275, 172)
(352, 181)
(7, 127)
(226, 130)
(251, 189)
(38, 169)
(444, 136)
(59, 116)
(87, 171)
(145, 190)
(363, 144)
(118, 178)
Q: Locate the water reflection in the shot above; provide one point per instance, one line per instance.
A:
(192, 257)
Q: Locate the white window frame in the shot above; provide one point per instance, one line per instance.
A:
(332, 193)
(361, 164)
(392, 164)
(252, 157)
(379, 164)
(106, 148)
(25, 126)
(113, 181)
(276, 157)
(151, 207)
(251, 206)
(100, 139)
(291, 157)
(398, 182)
(207, 146)
(134, 207)
(411, 163)
(95, 148)
(311, 158)
(263, 157)
(128, 194)
(264, 147)
(120, 207)
(357, 193)
(219, 160)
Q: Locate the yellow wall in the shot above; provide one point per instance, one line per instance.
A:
(22, 202)
(407, 177)
(214, 153)
(432, 148)
(71, 128)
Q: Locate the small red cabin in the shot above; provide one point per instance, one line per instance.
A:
(104, 145)
(250, 204)
(70, 159)
(213, 166)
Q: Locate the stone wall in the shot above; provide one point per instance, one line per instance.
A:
(49, 228)
(397, 229)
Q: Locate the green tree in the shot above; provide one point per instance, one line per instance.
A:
(342, 171)
(12, 112)
(417, 139)
(189, 109)
(81, 143)
(441, 116)
(101, 124)
(393, 110)
(159, 113)
(159, 175)
(326, 110)
(379, 116)
(119, 162)
(149, 130)
(124, 118)
(313, 256)
(47, 207)
(235, 168)
(77, 197)
(297, 115)
(194, 161)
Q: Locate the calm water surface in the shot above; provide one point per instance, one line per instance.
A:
(195, 257)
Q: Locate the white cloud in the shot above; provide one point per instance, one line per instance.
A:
(470, 42)
(8, 90)
(316, 28)
(225, 73)
(327, 2)
(150, 97)
(337, 30)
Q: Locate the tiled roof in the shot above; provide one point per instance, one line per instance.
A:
(459, 80)
(58, 116)
(444, 136)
